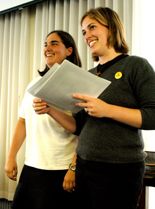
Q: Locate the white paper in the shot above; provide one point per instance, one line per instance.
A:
(59, 84)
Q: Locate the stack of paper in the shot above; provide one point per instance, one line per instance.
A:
(59, 84)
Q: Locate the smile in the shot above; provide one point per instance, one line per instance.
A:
(49, 55)
(91, 43)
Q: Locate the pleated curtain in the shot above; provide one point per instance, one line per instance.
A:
(22, 37)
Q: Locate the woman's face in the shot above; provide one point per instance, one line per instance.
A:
(55, 51)
(96, 36)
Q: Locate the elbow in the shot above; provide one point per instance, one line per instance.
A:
(148, 119)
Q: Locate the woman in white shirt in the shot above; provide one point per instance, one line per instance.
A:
(49, 147)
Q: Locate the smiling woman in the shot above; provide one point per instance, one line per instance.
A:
(110, 155)
(50, 150)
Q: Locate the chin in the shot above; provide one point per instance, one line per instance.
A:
(94, 54)
(50, 64)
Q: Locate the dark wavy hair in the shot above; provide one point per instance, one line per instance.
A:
(68, 41)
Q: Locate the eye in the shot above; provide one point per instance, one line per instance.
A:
(92, 27)
(54, 44)
(45, 45)
(83, 33)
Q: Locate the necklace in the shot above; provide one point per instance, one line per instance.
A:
(102, 68)
(99, 73)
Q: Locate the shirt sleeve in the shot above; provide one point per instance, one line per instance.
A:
(26, 95)
(80, 119)
(22, 107)
(144, 88)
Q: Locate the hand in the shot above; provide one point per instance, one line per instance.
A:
(94, 106)
(11, 169)
(69, 181)
(40, 107)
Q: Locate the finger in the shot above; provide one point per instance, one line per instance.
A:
(40, 108)
(71, 186)
(82, 97)
(39, 104)
(40, 112)
(14, 178)
(84, 105)
(11, 176)
(64, 184)
(36, 100)
(68, 186)
(15, 172)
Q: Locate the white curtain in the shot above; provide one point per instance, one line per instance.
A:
(22, 39)
(14, 77)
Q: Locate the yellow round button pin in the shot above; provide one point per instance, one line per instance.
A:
(118, 75)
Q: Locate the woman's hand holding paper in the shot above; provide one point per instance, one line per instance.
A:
(93, 106)
(40, 107)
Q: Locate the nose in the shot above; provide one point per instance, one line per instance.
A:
(48, 47)
(87, 35)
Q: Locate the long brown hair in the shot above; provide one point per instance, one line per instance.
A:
(111, 20)
(68, 41)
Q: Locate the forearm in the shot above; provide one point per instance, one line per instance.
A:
(98, 108)
(66, 121)
(69, 179)
(74, 159)
(124, 115)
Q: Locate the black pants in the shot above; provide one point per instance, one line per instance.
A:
(42, 189)
(108, 186)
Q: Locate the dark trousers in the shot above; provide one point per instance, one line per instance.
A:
(42, 189)
(108, 186)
